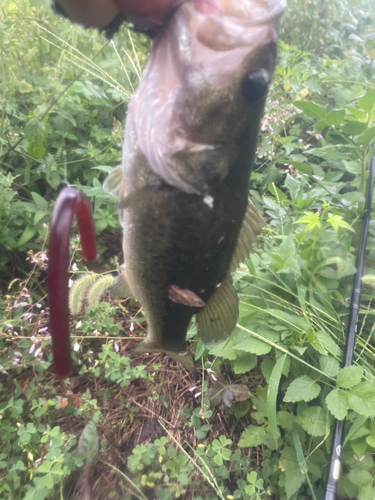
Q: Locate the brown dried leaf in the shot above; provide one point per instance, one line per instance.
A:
(215, 395)
(63, 403)
(77, 401)
(240, 392)
(184, 296)
(43, 451)
(24, 384)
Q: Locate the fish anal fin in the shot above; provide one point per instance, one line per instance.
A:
(252, 225)
(218, 318)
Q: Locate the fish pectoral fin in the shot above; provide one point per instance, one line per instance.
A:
(112, 183)
(185, 358)
(184, 296)
(218, 319)
(252, 225)
(120, 288)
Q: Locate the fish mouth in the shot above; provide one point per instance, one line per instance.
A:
(227, 24)
(255, 11)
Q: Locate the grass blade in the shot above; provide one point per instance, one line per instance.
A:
(273, 389)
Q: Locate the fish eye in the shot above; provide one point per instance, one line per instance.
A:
(255, 85)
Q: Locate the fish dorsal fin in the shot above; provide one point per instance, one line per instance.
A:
(218, 318)
(251, 227)
(120, 288)
(112, 183)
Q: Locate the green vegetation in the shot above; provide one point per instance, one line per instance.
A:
(257, 421)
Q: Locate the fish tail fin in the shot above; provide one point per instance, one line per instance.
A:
(185, 358)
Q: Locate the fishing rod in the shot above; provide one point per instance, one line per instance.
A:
(335, 464)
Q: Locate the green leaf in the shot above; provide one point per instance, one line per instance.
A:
(349, 376)
(329, 365)
(359, 446)
(245, 363)
(39, 216)
(67, 116)
(25, 438)
(302, 389)
(88, 443)
(40, 202)
(45, 482)
(284, 256)
(367, 136)
(337, 403)
(335, 117)
(367, 102)
(305, 168)
(277, 192)
(360, 115)
(266, 367)
(225, 349)
(296, 323)
(273, 388)
(285, 420)
(360, 476)
(354, 128)
(294, 187)
(353, 167)
(356, 426)
(253, 345)
(369, 280)
(311, 109)
(298, 449)
(362, 399)
(252, 436)
(337, 221)
(311, 219)
(313, 420)
(328, 343)
(293, 479)
(370, 440)
(28, 233)
(35, 135)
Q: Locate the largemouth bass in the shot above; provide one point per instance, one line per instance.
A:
(190, 138)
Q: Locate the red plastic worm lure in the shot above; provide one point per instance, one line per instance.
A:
(69, 202)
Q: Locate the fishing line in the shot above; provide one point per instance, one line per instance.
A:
(335, 464)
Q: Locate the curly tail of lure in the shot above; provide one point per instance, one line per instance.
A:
(69, 202)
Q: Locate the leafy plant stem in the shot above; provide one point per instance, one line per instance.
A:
(133, 485)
